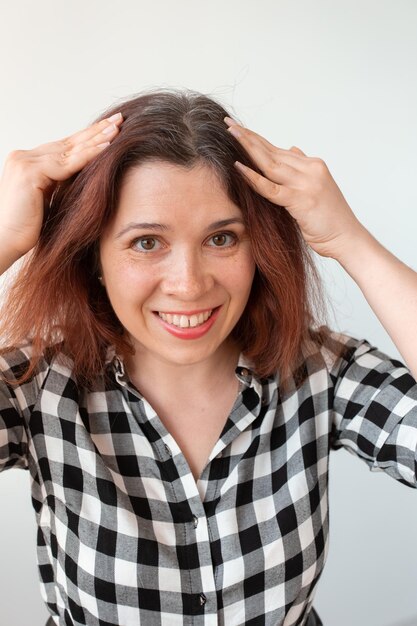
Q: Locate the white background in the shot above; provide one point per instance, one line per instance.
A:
(336, 78)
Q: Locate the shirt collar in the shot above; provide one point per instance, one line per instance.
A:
(244, 371)
(245, 374)
(115, 361)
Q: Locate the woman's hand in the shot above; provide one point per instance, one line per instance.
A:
(30, 177)
(305, 187)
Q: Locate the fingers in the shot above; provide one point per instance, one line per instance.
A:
(100, 132)
(58, 160)
(93, 130)
(252, 140)
(59, 166)
(279, 166)
(276, 193)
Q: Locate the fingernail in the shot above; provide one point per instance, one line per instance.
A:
(234, 130)
(114, 118)
(231, 121)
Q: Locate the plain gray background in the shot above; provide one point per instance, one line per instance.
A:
(337, 79)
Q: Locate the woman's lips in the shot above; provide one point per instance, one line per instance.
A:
(190, 326)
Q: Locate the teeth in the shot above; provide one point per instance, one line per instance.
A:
(186, 321)
(194, 321)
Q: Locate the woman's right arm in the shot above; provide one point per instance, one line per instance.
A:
(27, 183)
(29, 178)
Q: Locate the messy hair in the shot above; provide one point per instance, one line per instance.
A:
(56, 300)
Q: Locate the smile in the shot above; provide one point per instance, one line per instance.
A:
(192, 326)
(186, 321)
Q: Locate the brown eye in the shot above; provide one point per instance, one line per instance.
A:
(223, 240)
(148, 243)
(219, 240)
(145, 244)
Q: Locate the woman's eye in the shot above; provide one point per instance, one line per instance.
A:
(222, 240)
(146, 243)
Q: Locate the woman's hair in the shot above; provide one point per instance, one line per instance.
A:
(56, 300)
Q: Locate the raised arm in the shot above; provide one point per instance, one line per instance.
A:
(305, 187)
(29, 178)
(26, 186)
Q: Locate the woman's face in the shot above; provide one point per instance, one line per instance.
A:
(176, 262)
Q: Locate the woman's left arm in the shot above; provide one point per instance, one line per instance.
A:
(305, 187)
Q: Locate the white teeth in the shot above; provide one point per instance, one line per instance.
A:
(186, 321)
(194, 321)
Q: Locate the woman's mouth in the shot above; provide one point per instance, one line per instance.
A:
(186, 321)
(188, 326)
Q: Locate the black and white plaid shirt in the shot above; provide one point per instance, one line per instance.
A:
(127, 537)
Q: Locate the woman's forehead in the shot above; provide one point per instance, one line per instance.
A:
(165, 188)
(164, 173)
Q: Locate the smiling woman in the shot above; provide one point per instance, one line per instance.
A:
(169, 387)
(187, 275)
(179, 129)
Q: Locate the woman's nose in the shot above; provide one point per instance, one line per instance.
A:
(188, 276)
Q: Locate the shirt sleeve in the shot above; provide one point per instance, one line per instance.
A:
(16, 402)
(374, 408)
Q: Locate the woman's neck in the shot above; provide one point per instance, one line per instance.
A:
(151, 374)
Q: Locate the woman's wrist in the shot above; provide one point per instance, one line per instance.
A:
(360, 252)
(8, 257)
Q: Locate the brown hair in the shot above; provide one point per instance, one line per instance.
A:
(56, 300)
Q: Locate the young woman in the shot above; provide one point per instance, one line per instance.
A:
(165, 379)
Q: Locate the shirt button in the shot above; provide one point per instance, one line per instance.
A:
(203, 599)
(195, 521)
(168, 449)
(244, 372)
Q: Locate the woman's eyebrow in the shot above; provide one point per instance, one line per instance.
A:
(164, 227)
(143, 226)
(227, 222)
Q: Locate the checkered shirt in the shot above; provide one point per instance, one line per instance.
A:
(126, 536)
